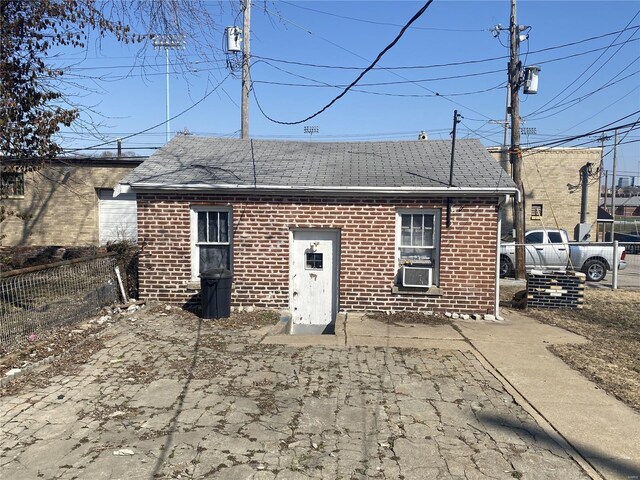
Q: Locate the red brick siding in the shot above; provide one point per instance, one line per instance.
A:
(261, 239)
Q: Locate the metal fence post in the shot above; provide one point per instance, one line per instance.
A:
(616, 262)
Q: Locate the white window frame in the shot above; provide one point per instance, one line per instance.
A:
(195, 245)
(437, 214)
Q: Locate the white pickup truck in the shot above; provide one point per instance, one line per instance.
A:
(550, 250)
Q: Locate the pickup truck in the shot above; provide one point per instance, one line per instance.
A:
(550, 250)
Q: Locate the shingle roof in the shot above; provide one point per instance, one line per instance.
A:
(187, 161)
(623, 201)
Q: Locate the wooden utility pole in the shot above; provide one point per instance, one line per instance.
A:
(515, 153)
(246, 79)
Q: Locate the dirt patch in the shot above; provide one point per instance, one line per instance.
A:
(611, 320)
(46, 344)
(409, 317)
(68, 362)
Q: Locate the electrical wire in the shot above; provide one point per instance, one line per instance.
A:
(578, 77)
(415, 17)
(361, 57)
(361, 20)
(202, 99)
(575, 101)
(465, 62)
(321, 84)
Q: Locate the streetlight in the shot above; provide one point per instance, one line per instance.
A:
(168, 41)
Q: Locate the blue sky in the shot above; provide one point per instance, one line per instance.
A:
(583, 87)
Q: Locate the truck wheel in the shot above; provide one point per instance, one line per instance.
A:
(506, 267)
(595, 270)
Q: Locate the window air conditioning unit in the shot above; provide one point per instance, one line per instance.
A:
(416, 277)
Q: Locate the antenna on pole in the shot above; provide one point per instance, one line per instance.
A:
(311, 129)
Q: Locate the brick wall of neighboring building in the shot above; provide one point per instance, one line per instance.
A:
(547, 174)
(60, 205)
(261, 241)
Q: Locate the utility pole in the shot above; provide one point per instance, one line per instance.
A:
(457, 118)
(515, 153)
(246, 80)
(602, 139)
(613, 183)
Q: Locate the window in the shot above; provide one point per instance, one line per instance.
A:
(211, 234)
(418, 239)
(555, 237)
(417, 234)
(313, 261)
(534, 237)
(536, 210)
(11, 184)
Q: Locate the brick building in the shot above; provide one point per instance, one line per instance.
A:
(68, 203)
(319, 228)
(624, 206)
(552, 187)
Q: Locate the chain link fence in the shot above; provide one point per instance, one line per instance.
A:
(630, 276)
(38, 298)
(557, 256)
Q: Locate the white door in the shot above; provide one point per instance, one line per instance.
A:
(118, 216)
(314, 279)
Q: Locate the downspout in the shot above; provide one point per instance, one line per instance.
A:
(496, 300)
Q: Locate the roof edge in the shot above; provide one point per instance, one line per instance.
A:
(447, 191)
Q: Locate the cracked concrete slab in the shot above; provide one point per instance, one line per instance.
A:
(193, 399)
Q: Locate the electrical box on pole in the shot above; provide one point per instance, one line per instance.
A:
(531, 79)
(233, 37)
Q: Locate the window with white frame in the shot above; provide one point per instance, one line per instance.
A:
(418, 238)
(211, 237)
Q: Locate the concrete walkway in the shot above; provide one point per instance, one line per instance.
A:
(601, 428)
(598, 431)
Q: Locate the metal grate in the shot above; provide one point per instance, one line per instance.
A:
(35, 299)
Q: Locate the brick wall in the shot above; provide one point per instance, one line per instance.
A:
(261, 239)
(61, 205)
(546, 176)
(555, 289)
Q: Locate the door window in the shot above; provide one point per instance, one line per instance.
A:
(313, 261)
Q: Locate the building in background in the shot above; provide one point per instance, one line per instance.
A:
(624, 182)
(553, 187)
(69, 202)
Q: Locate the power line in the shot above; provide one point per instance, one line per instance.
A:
(586, 70)
(206, 95)
(361, 57)
(361, 20)
(575, 101)
(417, 15)
(465, 62)
(374, 84)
